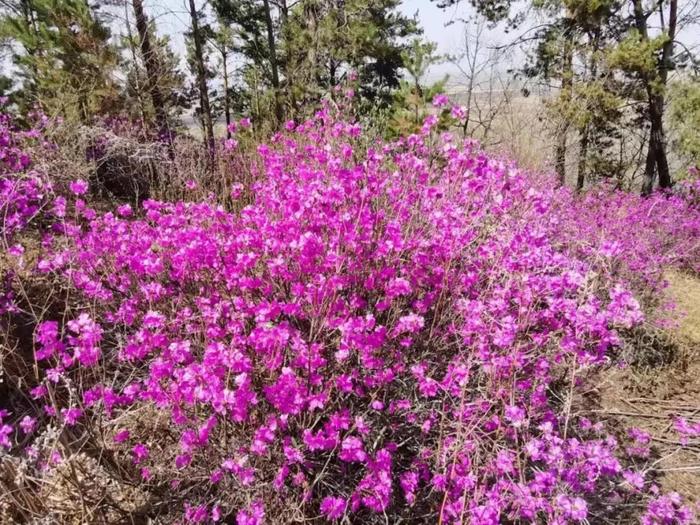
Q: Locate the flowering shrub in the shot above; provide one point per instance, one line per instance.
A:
(23, 191)
(633, 237)
(396, 332)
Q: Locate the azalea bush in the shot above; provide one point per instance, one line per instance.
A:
(368, 334)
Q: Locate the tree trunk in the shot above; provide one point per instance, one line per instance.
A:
(151, 65)
(657, 145)
(279, 111)
(587, 128)
(289, 67)
(583, 157)
(227, 103)
(28, 13)
(654, 83)
(202, 79)
(566, 93)
(132, 48)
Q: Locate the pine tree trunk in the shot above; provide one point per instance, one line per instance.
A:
(227, 103)
(151, 65)
(289, 71)
(583, 158)
(202, 79)
(28, 13)
(657, 161)
(279, 110)
(566, 93)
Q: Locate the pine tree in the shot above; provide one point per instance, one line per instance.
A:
(328, 38)
(412, 101)
(256, 34)
(67, 61)
(151, 66)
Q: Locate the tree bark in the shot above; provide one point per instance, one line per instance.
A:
(583, 158)
(279, 110)
(566, 93)
(151, 65)
(289, 66)
(202, 79)
(654, 83)
(227, 104)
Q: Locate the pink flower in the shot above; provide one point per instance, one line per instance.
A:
(71, 415)
(410, 323)
(140, 453)
(5, 432)
(459, 112)
(352, 450)
(253, 515)
(574, 508)
(440, 100)
(515, 415)
(183, 460)
(333, 508)
(78, 187)
(28, 425)
(236, 190)
(635, 479)
(121, 436)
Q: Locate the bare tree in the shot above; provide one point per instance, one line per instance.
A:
(487, 92)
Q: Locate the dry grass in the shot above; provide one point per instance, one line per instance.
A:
(684, 289)
(651, 396)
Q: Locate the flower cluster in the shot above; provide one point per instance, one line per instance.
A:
(23, 191)
(367, 336)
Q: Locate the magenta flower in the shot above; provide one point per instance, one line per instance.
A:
(352, 450)
(515, 415)
(71, 415)
(140, 453)
(78, 187)
(253, 515)
(28, 424)
(333, 508)
(121, 436)
(440, 100)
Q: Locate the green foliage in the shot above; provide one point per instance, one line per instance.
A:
(684, 117)
(241, 28)
(633, 54)
(66, 61)
(327, 39)
(171, 81)
(318, 42)
(412, 102)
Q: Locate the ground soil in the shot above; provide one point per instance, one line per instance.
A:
(649, 396)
